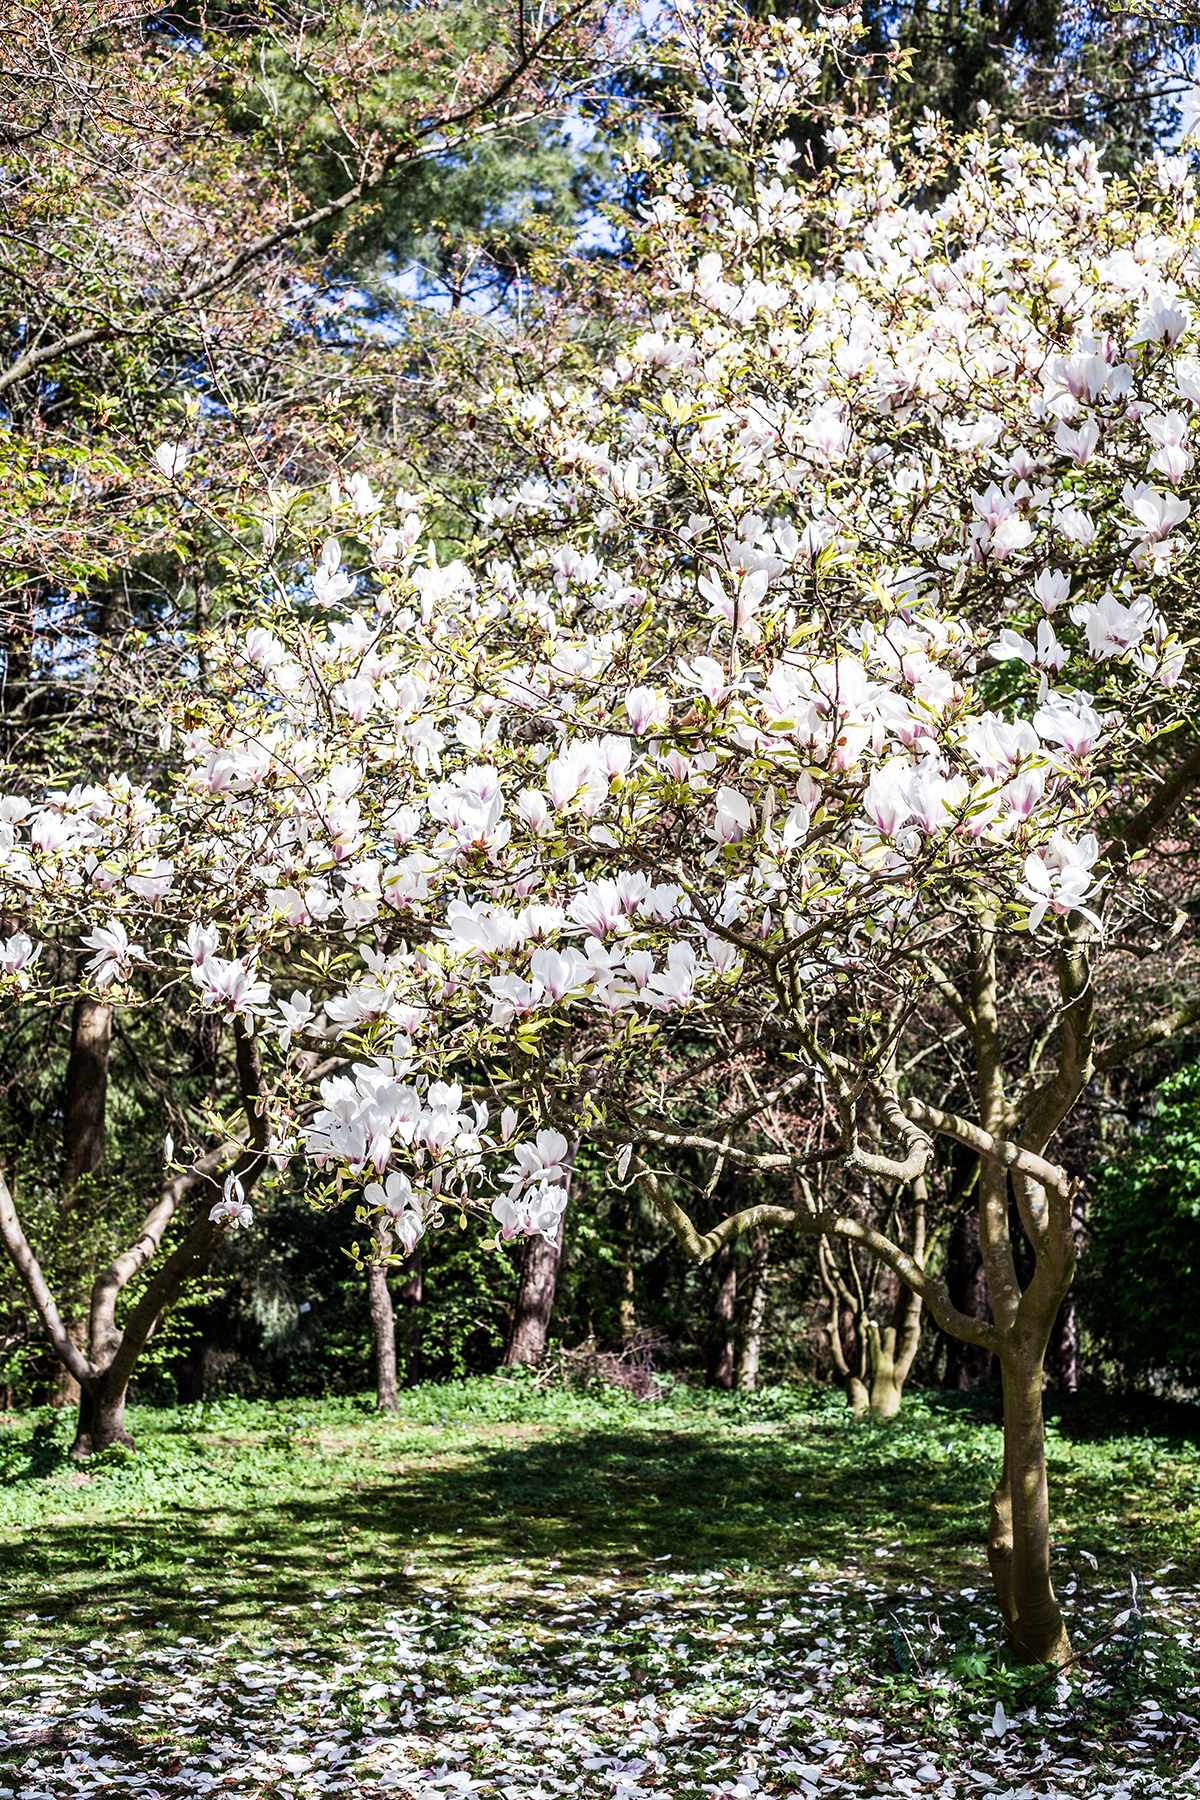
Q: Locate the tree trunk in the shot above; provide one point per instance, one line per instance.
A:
(720, 1338)
(893, 1350)
(86, 1091)
(628, 1312)
(530, 1326)
(966, 1283)
(756, 1311)
(887, 1388)
(1019, 1530)
(383, 1325)
(105, 1374)
(101, 1420)
(84, 1104)
(412, 1290)
(850, 1363)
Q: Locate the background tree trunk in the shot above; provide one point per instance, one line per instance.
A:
(530, 1328)
(756, 1310)
(720, 1335)
(966, 1283)
(412, 1292)
(628, 1312)
(86, 1092)
(535, 1300)
(383, 1324)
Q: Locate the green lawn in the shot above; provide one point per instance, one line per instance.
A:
(298, 1537)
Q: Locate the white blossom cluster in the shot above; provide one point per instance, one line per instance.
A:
(848, 585)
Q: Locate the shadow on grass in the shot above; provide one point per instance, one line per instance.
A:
(593, 1501)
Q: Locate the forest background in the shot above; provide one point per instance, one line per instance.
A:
(311, 241)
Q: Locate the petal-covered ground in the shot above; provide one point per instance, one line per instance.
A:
(519, 1675)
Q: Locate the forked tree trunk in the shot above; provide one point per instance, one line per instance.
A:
(756, 1311)
(720, 1338)
(105, 1373)
(880, 1358)
(383, 1324)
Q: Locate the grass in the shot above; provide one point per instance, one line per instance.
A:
(292, 1529)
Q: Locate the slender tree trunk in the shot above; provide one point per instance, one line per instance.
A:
(850, 1364)
(966, 1283)
(628, 1312)
(84, 1105)
(756, 1311)
(383, 1325)
(1019, 1533)
(530, 1326)
(412, 1291)
(893, 1350)
(720, 1339)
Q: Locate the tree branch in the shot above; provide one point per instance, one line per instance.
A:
(1157, 1032)
(701, 1246)
(1144, 826)
(995, 1150)
(29, 1269)
(205, 285)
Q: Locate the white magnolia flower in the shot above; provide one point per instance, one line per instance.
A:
(114, 953)
(172, 459)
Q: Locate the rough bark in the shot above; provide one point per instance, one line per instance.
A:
(719, 1373)
(383, 1324)
(534, 1304)
(756, 1311)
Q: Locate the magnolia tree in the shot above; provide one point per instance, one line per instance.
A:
(830, 672)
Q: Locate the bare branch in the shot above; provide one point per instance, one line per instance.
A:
(1143, 828)
(262, 247)
(701, 1246)
(959, 1005)
(29, 1269)
(1157, 1032)
(995, 1150)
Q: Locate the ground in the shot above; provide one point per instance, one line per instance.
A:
(527, 1595)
